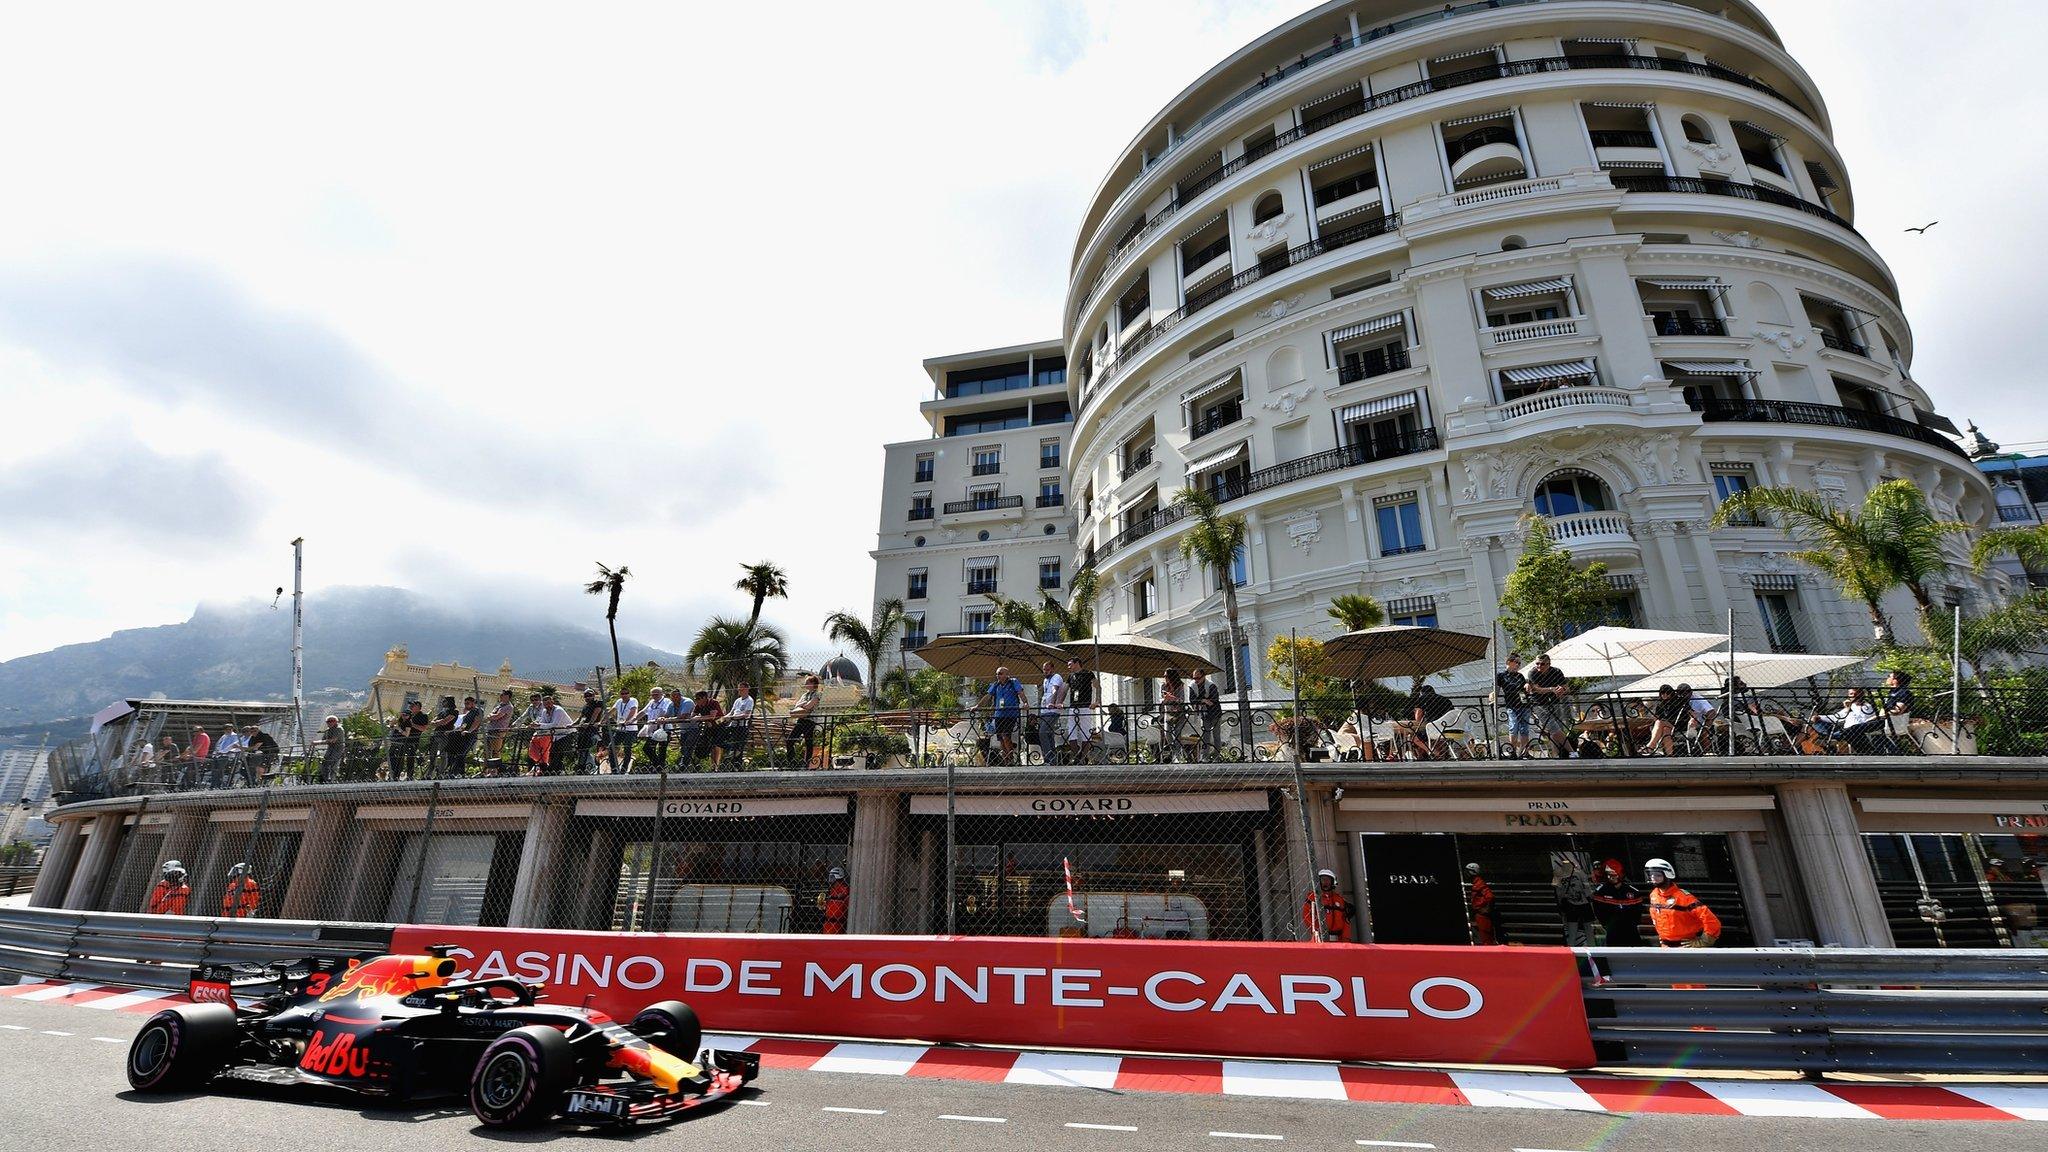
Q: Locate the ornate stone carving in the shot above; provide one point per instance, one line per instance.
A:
(1278, 307)
(1286, 402)
(1177, 571)
(1712, 154)
(1271, 230)
(1304, 531)
(1742, 238)
(1785, 341)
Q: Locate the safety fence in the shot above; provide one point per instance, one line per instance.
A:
(1855, 719)
(1813, 1011)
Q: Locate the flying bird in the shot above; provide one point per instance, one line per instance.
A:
(1924, 227)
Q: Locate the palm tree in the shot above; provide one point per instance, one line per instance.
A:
(762, 581)
(733, 650)
(2027, 545)
(610, 583)
(869, 637)
(1892, 541)
(1215, 539)
(1357, 613)
(1079, 615)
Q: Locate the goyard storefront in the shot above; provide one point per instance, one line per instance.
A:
(1413, 855)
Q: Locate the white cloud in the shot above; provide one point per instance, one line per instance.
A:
(476, 296)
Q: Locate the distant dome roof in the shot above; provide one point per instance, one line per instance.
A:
(839, 668)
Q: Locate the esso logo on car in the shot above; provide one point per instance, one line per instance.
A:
(206, 992)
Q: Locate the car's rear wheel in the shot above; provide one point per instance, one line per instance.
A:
(181, 1047)
(522, 1077)
(671, 1026)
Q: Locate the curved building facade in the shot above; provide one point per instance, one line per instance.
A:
(1396, 275)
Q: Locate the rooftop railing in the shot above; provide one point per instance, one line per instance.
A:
(1715, 410)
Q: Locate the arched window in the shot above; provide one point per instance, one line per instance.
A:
(1696, 130)
(1571, 492)
(1267, 207)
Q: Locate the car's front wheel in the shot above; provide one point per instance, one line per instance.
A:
(521, 1079)
(671, 1026)
(181, 1047)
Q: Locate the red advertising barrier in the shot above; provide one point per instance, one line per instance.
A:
(1301, 1001)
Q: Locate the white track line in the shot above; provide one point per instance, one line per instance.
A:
(1103, 1127)
(140, 996)
(1296, 1081)
(15, 1027)
(54, 1032)
(1391, 1144)
(1064, 1070)
(1523, 1090)
(1245, 1136)
(1782, 1098)
(110, 1040)
(977, 1119)
(753, 1103)
(858, 1111)
(56, 990)
(2027, 1103)
(873, 1059)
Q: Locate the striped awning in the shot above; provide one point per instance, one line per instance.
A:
(1713, 368)
(1831, 302)
(1685, 283)
(1620, 104)
(1603, 39)
(1217, 459)
(1325, 98)
(1822, 178)
(1758, 129)
(1393, 498)
(1496, 114)
(1411, 606)
(1544, 373)
(1632, 165)
(1528, 288)
(1191, 233)
(1214, 384)
(1774, 582)
(1623, 582)
(1340, 157)
(1368, 327)
(1466, 55)
(1937, 421)
(1374, 409)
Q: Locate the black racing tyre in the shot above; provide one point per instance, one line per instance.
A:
(182, 1047)
(671, 1026)
(521, 1078)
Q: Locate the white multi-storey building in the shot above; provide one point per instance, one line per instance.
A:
(1396, 275)
(978, 508)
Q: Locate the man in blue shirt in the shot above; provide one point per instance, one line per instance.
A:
(1007, 693)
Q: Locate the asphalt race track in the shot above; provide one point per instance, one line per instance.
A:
(61, 1067)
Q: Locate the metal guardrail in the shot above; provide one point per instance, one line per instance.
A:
(1802, 1010)
(18, 878)
(1817, 1010)
(140, 951)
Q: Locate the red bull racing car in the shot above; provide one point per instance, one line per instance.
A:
(403, 1026)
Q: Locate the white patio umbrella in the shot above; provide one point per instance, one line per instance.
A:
(1635, 652)
(1139, 656)
(1757, 669)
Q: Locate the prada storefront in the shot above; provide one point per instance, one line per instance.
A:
(1962, 872)
(1412, 853)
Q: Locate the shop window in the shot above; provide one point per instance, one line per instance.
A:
(1960, 890)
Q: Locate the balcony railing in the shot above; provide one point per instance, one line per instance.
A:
(1136, 462)
(2015, 514)
(1535, 330)
(1367, 367)
(1220, 418)
(1188, 191)
(1454, 150)
(1615, 138)
(1590, 528)
(1336, 459)
(921, 476)
(1555, 399)
(983, 504)
(1053, 500)
(1650, 182)
(1403, 549)
(1690, 326)
(1758, 158)
(911, 642)
(1714, 410)
(1830, 340)
(921, 513)
(1348, 186)
(981, 587)
(989, 469)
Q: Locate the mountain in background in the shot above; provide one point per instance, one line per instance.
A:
(243, 652)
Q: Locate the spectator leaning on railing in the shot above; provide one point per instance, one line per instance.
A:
(625, 718)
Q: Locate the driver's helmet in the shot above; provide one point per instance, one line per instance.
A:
(174, 871)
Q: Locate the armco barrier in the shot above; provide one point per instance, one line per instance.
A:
(1804, 1010)
(1304, 1001)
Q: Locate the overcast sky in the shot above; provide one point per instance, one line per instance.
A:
(473, 297)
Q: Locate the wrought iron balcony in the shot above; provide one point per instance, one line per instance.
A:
(1690, 326)
(1136, 462)
(1715, 410)
(1454, 150)
(1650, 182)
(1376, 364)
(1053, 500)
(2015, 514)
(924, 513)
(983, 504)
(981, 587)
(988, 469)
(1840, 344)
(1614, 138)
(1222, 417)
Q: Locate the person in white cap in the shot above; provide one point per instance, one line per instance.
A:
(1326, 913)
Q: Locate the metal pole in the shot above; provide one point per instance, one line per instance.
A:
(1308, 843)
(299, 640)
(951, 906)
(412, 903)
(1728, 713)
(654, 859)
(1955, 681)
